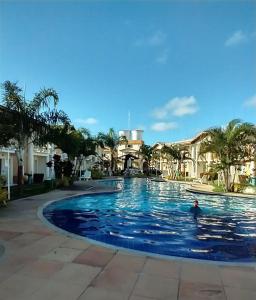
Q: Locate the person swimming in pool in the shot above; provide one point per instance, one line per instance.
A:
(196, 210)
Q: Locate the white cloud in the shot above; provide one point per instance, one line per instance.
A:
(236, 38)
(88, 121)
(163, 126)
(157, 38)
(162, 57)
(251, 102)
(178, 106)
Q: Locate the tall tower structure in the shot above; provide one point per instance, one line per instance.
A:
(129, 153)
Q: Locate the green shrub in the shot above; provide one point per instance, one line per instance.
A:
(63, 182)
(3, 196)
(140, 176)
(3, 180)
(30, 190)
(50, 183)
(218, 188)
(96, 174)
(240, 187)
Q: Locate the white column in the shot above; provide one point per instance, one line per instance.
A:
(196, 161)
(52, 174)
(11, 169)
(48, 158)
(30, 158)
(160, 167)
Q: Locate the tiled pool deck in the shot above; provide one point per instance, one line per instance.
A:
(42, 264)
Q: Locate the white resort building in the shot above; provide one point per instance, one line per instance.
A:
(129, 155)
(35, 159)
(198, 165)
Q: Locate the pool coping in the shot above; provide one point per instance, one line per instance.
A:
(132, 251)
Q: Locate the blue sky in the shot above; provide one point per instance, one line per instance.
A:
(178, 66)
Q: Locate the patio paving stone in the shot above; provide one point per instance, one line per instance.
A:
(25, 239)
(201, 273)
(41, 269)
(239, 294)
(141, 298)
(12, 226)
(200, 291)
(13, 263)
(115, 279)
(57, 291)
(42, 264)
(77, 274)
(7, 235)
(18, 286)
(75, 244)
(62, 254)
(42, 231)
(95, 256)
(239, 278)
(127, 262)
(101, 294)
(162, 268)
(51, 241)
(157, 287)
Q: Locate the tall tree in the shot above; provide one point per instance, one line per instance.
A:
(72, 141)
(28, 121)
(178, 153)
(146, 151)
(230, 144)
(111, 140)
(77, 143)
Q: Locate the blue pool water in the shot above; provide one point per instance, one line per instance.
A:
(154, 217)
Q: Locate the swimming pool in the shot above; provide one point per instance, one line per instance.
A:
(154, 217)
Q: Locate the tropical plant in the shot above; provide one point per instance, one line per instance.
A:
(155, 159)
(231, 145)
(28, 121)
(72, 141)
(146, 151)
(167, 156)
(176, 153)
(3, 196)
(111, 140)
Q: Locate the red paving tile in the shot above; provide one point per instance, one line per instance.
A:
(94, 256)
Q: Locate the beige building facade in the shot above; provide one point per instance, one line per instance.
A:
(34, 161)
(198, 165)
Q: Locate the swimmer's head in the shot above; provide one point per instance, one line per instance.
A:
(196, 203)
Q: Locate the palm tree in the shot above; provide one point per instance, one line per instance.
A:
(29, 120)
(230, 145)
(178, 153)
(111, 140)
(72, 141)
(146, 151)
(167, 155)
